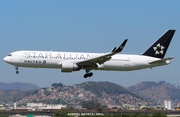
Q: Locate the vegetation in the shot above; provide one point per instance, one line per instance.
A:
(157, 91)
(149, 90)
(62, 113)
(158, 115)
(56, 85)
(13, 95)
(47, 101)
(109, 88)
(4, 116)
(35, 92)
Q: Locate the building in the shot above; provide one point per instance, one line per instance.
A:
(167, 104)
(40, 106)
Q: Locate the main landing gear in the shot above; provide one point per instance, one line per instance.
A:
(88, 74)
(17, 72)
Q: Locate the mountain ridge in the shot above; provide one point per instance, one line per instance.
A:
(18, 86)
(94, 91)
(108, 87)
(157, 92)
(105, 93)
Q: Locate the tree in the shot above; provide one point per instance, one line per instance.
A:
(158, 114)
(56, 85)
(61, 113)
(4, 116)
(162, 82)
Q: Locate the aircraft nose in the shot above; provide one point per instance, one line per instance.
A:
(7, 59)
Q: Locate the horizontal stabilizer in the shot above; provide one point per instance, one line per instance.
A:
(161, 61)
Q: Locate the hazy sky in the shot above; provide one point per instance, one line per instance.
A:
(88, 26)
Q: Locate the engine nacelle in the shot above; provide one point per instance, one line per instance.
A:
(69, 67)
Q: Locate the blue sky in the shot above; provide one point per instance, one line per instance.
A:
(88, 26)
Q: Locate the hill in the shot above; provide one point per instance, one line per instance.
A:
(11, 92)
(157, 92)
(18, 86)
(104, 93)
(11, 96)
(108, 87)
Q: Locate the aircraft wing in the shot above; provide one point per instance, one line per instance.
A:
(103, 58)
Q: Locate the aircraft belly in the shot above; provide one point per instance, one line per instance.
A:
(117, 66)
(123, 66)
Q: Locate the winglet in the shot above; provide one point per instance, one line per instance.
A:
(120, 48)
(113, 49)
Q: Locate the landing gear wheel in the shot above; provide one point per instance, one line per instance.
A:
(88, 75)
(17, 72)
(16, 67)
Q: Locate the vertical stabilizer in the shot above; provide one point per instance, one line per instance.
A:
(159, 48)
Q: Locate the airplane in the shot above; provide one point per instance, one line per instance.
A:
(111, 61)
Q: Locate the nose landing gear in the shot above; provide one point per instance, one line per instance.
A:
(17, 72)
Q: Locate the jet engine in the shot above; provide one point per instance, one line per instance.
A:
(69, 67)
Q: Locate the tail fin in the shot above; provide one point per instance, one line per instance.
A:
(159, 48)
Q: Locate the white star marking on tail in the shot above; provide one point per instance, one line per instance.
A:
(158, 46)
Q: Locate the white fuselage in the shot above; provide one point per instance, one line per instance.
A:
(52, 59)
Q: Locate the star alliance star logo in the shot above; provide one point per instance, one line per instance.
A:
(159, 49)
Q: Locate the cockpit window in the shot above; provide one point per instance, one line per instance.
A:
(9, 54)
